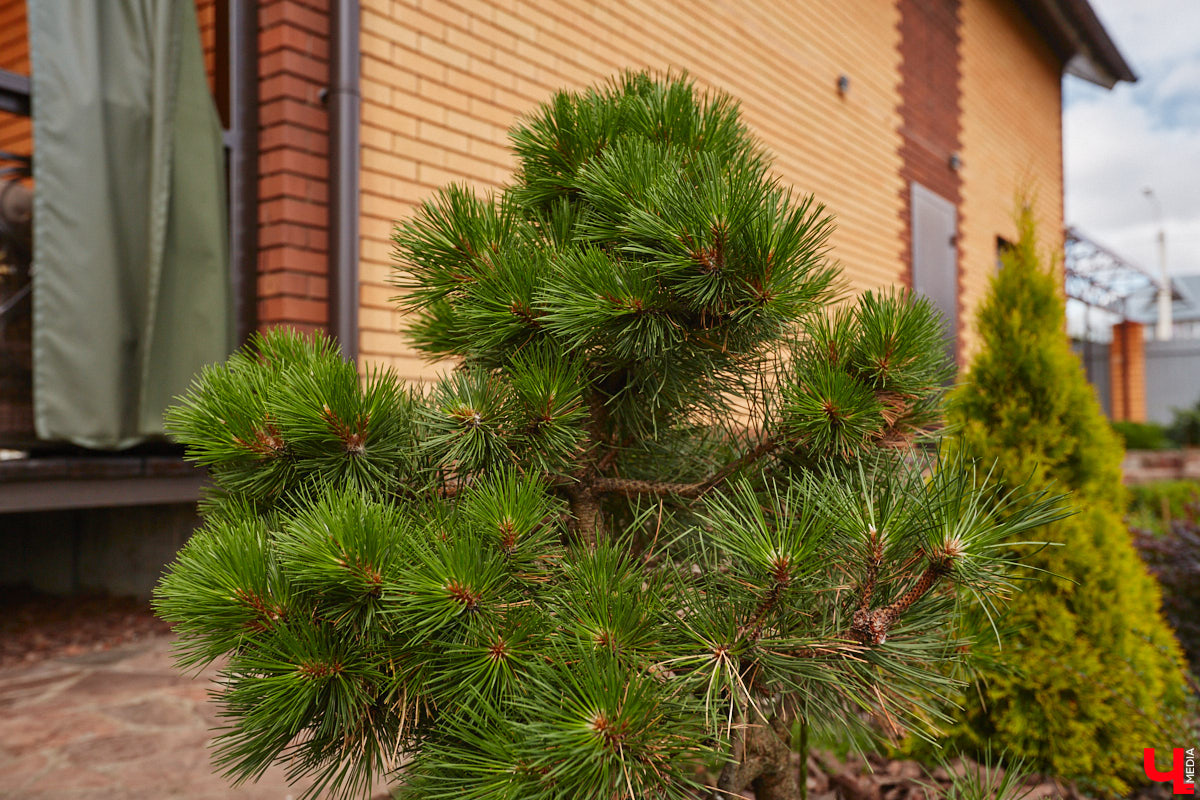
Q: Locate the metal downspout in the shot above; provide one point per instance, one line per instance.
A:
(243, 195)
(344, 112)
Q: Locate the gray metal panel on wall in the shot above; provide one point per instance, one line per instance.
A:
(935, 254)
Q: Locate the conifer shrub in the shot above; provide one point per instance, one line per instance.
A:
(1092, 673)
(665, 506)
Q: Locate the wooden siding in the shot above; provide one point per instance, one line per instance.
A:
(442, 81)
(1012, 142)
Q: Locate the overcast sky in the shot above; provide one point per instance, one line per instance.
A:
(1143, 134)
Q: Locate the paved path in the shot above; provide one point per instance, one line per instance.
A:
(117, 725)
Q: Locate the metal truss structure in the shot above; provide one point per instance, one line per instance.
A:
(1100, 278)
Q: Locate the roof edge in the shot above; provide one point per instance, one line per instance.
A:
(1091, 54)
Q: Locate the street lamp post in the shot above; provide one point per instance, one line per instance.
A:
(1163, 333)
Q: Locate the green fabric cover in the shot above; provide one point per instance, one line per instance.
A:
(131, 278)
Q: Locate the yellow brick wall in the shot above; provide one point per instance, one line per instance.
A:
(442, 80)
(1011, 139)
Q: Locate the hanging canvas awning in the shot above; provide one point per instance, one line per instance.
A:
(130, 267)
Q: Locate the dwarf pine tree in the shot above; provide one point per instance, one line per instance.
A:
(665, 506)
(1092, 674)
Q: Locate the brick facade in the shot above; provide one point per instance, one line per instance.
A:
(16, 133)
(442, 82)
(930, 97)
(16, 359)
(293, 258)
(206, 21)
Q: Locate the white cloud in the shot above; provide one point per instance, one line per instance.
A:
(1150, 32)
(1145, 134)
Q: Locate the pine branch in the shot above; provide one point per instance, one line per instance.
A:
(764, 448)
(754, 625)
(630, 487)
(874, 560)
(871, 626)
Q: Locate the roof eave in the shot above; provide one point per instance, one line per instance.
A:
(1085, 67)
(1080, 38)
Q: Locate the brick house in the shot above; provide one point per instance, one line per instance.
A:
(916, 122)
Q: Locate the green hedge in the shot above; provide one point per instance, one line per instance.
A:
(1143, 435)
(1153, 506)
(1185, 426)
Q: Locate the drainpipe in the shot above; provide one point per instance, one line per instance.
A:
(243, 151)
(344, 112)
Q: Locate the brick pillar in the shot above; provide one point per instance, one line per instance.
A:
(1127, 371)
(293, 238)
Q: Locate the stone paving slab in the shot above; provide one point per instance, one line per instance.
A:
(117, 725)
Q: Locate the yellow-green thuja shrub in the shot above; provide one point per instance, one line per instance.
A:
(1092, 674)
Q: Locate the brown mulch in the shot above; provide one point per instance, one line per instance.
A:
(878, 778)
(35, 627)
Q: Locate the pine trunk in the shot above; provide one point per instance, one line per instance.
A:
(767, 765)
